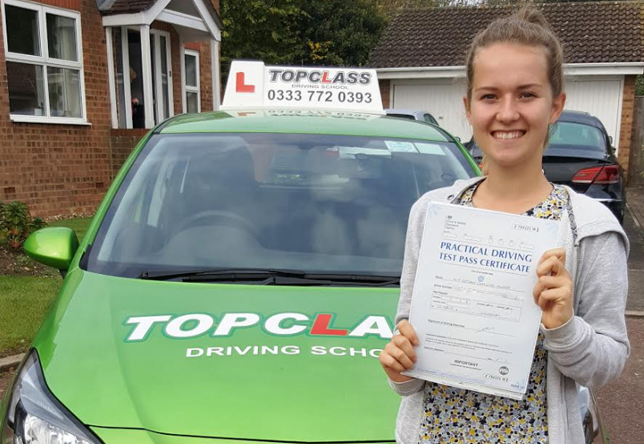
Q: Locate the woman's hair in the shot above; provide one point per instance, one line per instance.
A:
(526, 27)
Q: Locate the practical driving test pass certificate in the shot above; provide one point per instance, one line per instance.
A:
(472, 305)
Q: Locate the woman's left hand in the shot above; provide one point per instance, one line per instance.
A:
(553, 292)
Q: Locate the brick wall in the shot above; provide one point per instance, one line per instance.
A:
(67, 4)
(205, 76)
(61, 168)
(123, 141)
(385, 86)
(626, 128)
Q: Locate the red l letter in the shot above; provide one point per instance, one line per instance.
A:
(321, 326)
(241, 86)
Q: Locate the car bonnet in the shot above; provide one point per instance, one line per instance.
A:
(227, 361)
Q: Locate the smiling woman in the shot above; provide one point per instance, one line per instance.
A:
(515, 92)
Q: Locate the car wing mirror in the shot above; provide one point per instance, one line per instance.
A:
(54, 247)
(610, 139)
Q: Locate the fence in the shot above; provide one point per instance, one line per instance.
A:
(636, 161)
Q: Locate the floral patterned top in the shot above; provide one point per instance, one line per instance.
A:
(453, 415)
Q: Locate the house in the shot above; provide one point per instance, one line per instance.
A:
(420, 61)
(81, 81)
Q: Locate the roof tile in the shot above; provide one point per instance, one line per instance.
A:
(594, 32)
(129, 6)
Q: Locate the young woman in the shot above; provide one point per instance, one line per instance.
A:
(514, 93)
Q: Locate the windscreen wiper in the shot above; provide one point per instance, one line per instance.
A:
(223, 273)
(337, 280)
(274, 277)
(375, 280)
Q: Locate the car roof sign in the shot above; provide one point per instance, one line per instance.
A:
(253, 85)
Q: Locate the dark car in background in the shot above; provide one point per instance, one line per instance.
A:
(580, 154)
(411, 115)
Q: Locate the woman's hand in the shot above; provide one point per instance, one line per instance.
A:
(553, 292)
(399, 354)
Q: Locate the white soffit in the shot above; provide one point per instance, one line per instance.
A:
(570, 69)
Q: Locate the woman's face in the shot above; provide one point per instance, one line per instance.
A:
(511, 104)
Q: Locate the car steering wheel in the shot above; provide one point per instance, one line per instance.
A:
(231, 219)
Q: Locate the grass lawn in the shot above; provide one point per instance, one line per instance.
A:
(79, 225)
(25, 299)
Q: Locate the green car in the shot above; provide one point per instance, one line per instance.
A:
(236, 284)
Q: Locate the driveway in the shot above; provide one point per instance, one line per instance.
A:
(621, 403)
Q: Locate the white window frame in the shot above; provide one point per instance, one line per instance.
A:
(185, 88)
(125, 49)
(45, 61)
(157, 33)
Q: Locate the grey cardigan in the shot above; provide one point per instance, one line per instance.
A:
(590, 349)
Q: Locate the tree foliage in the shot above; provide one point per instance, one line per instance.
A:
(300, 32)
(267, 30)
(639, 86)
(341, 32)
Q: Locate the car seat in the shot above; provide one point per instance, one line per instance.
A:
(219, 181)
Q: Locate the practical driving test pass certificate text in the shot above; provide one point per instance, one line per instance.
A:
(472, 305)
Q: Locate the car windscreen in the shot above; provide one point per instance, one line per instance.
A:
(575, 136)
(317, 203)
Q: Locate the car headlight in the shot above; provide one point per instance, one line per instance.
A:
(35, 416)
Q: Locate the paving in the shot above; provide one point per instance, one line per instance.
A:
(621, 403)
(10, 362)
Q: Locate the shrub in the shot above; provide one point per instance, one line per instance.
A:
(16, 223)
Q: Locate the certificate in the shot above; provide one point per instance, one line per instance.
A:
(472, 305)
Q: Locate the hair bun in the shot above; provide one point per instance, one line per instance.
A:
(532, 15)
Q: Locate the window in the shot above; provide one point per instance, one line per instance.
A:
(571, 135)
(192, 97)
(44, 63)
(429, 118)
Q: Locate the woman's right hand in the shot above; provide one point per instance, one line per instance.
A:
(399, 354)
